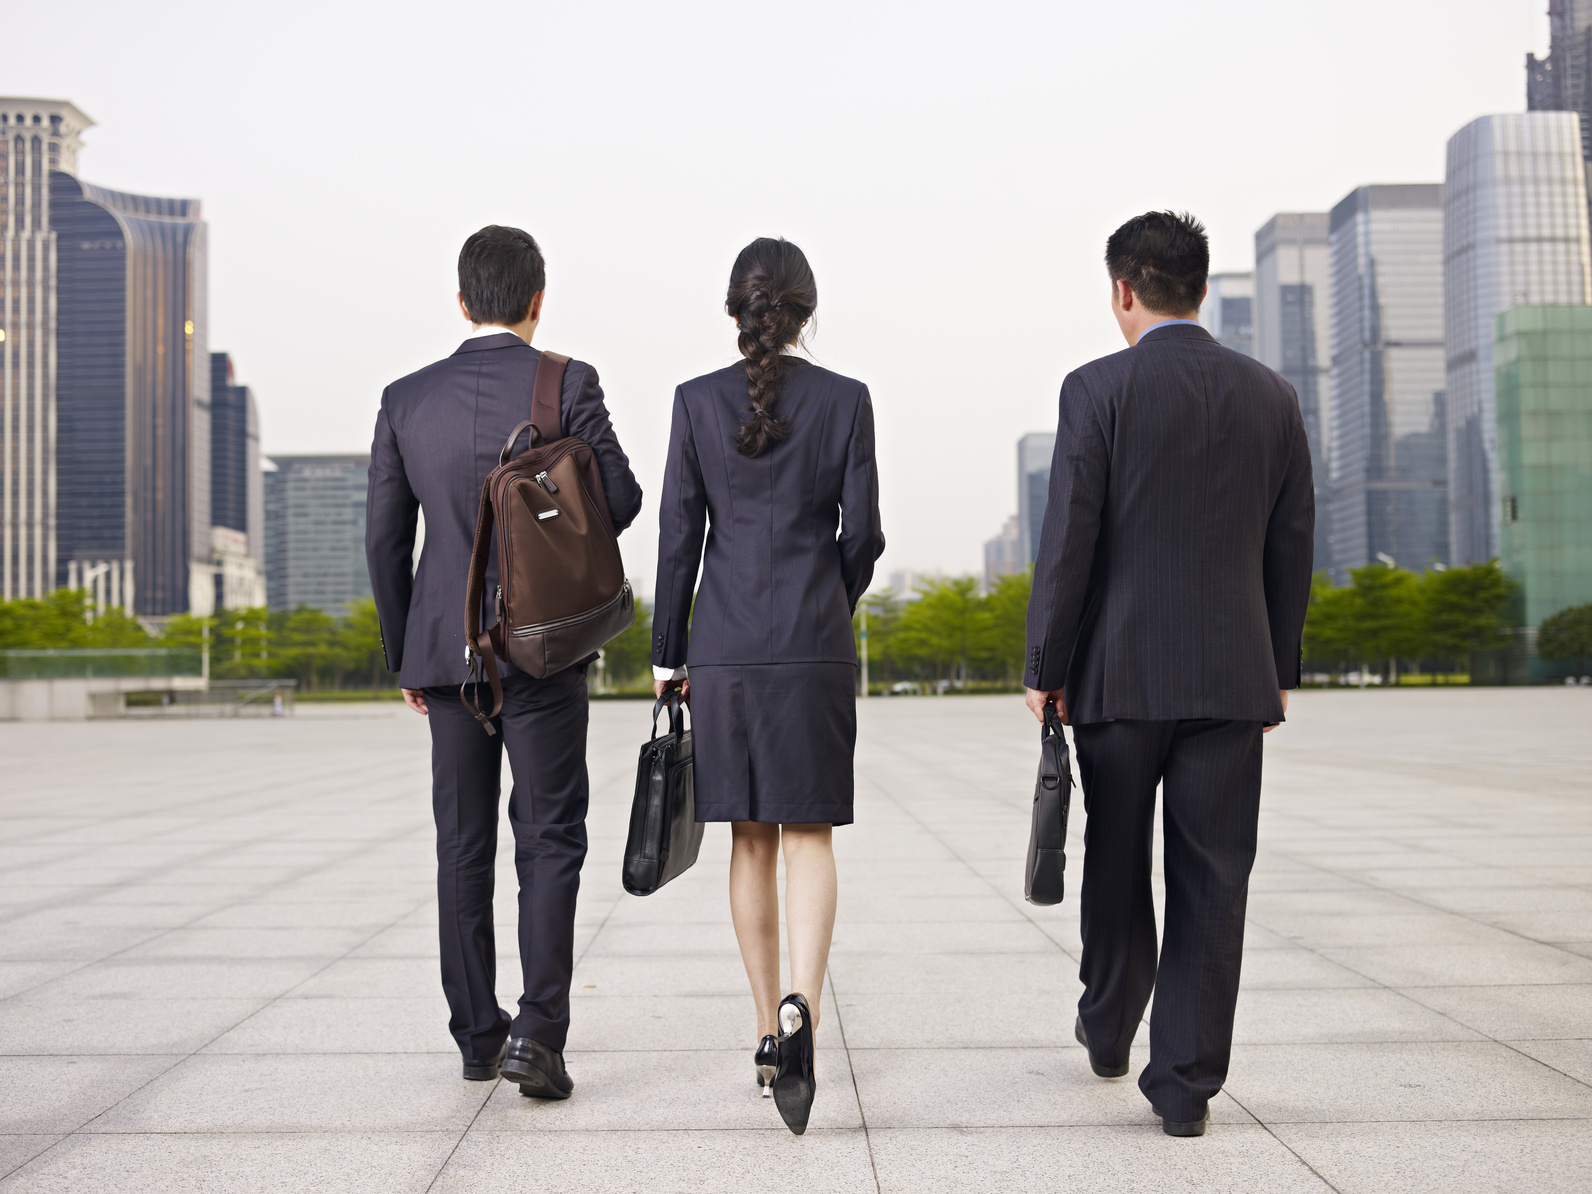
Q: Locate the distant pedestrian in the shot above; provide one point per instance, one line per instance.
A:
(1165, 624)
(438, 434)
(772, 460)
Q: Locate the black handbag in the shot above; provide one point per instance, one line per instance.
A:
(1047, 836)
(664, 832)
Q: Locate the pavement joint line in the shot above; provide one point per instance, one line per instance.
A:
(856, 1090)
(1321, 1177)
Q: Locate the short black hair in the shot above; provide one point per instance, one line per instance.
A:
(500, 272)
(1164, 257)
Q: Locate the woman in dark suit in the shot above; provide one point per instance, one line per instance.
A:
(772, 459)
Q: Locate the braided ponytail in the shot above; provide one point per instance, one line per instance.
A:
(772, 294)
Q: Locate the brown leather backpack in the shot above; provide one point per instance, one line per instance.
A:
(562, 591)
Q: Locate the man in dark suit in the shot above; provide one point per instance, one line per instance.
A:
(1165, 624)
(438, 434)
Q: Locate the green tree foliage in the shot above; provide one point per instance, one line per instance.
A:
(65, 620)
(1386, 615)
(950, 632)
(627, 660)
(1567, 635)
(1464, 611)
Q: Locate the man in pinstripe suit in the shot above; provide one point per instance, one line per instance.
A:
(1168, 608)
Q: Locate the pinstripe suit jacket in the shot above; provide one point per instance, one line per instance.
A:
(791, 535)
(1174, 562)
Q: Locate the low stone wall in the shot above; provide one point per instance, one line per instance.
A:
(80, 699)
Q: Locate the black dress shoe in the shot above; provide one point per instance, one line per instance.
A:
(766, 1059)
(539, 1071)
(485, 1071)
(1103, 1071)
(794, 1081)
(1185, 1127)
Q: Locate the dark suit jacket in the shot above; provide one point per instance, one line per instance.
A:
(792, 535)
(1174, 563)
(438, 435)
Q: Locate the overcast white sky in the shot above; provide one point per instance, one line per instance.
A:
(951, 171)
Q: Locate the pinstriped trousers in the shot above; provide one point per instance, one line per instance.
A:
(1209, 772)
(543, 730)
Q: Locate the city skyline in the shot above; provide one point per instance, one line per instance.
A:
(912, 249)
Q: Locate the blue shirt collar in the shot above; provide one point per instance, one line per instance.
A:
(1162, 324)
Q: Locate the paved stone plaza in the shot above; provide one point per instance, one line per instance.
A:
(218, 971)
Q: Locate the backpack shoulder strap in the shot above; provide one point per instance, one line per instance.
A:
(547, 395)
(478, 644)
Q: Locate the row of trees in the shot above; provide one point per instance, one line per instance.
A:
(1385, 619)
(305, 644)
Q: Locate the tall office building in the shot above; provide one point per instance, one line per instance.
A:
(1514, 234)
(1034, 451)
(1228, 311)
(37, 137)
(315, 532)
(1293, 333)
(133, 394)
(1562, 82)
(1543, 362)
(1389, 448)
(1003, 555)
(237, 496)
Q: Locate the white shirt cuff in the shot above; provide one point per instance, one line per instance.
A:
(667, 673)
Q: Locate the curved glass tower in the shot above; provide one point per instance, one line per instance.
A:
(133, 395)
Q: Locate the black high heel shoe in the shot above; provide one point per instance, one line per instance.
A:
(794, 1083)
(766, 1059)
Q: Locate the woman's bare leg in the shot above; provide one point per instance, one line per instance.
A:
(754, 907)
(809, 907)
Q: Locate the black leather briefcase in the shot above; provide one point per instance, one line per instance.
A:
(1047, 836)
(664, 832)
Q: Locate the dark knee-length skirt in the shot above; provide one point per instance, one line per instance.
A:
(774, 742)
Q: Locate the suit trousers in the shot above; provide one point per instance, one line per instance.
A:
(1209, 772)
(542, 728)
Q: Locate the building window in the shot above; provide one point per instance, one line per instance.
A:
(1511, 509)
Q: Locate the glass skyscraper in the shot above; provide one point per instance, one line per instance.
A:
(237, 498)
(37, 138)
(133, 394)
(1228, 311)
(1543, 361)
(315, 532)
(1293, 333)
(1389, 448)
(1034, 451)
(1514, 234)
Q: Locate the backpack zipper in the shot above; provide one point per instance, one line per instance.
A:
(623, 596)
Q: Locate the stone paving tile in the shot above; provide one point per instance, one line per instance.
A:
(1414, 995)
(1102, 1160)
(62, 1093)
(1544, 1156)
(302, 1093)
(232, 1163)
(672, 1162)
(1546, 1012)
(1403, 1081)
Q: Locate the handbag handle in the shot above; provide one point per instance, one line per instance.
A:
(1050, 764)
(671, 698)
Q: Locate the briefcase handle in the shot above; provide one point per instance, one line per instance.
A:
(1050, 760)
(671, 698)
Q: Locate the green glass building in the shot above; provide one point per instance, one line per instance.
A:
(1543, 360)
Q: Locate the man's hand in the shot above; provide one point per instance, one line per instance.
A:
(1037, 701)
(1284, 693)
(659, 687)
(416, 700)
